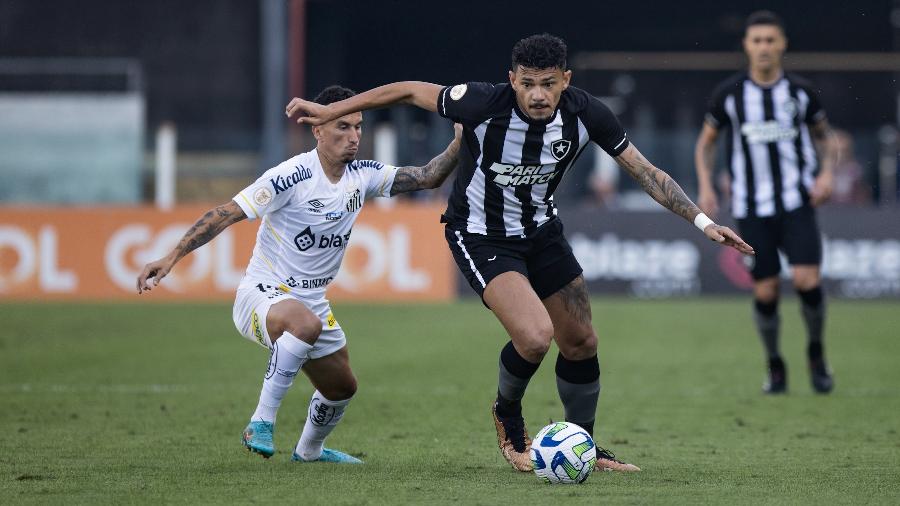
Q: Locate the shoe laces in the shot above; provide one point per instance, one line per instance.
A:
(515, 431)
(603, 453)
(263, 431)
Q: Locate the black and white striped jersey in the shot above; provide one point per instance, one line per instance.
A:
(771, 156)
(510, 165)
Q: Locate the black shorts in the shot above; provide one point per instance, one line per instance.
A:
(794, 233)
(545, 258)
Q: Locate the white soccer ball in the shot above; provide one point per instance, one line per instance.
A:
(563, 452)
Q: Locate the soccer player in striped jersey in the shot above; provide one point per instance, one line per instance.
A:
(780, 160)
(519, 139)
(307, 206)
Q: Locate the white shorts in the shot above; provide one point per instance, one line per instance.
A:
(251, 306)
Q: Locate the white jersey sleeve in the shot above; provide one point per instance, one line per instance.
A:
(273, 189)
(378, 177)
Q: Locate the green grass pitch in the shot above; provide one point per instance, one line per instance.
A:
(145, 404)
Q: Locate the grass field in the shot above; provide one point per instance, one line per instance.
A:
(145, 404)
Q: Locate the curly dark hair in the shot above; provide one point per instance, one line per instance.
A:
(764, 18)
(333, 93)
(542, 51)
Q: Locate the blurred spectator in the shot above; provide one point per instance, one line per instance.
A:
(850, 186)
(604, 180)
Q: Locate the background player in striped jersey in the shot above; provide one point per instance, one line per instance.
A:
(519, 138)
(780, 160)
(308, 205)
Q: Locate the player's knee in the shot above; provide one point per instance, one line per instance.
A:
(805, 282)
(766, 292)
(579, 346)
(536, 343)
(307, 328)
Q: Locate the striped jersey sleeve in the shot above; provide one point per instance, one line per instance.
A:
(604, 128)
(471, 102)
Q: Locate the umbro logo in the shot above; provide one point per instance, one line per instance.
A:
(316, 203)
(560, 148)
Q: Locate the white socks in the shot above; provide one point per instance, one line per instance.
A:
(288, 355)
(323, 415)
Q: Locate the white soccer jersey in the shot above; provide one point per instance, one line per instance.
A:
(307, 220)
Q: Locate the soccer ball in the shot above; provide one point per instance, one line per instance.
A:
(563, 452)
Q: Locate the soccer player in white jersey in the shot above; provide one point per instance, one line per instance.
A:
(519, 139)
(780, 159)
(307, 206)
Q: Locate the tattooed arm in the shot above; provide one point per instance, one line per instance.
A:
(657, 184)
(666, 191)
(432, 174)
(207, 227)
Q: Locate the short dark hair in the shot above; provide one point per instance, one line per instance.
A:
(764, 18)
(333, 93)
(542, 51)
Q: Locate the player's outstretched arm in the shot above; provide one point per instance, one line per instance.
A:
(417, 93)
(208, 226)
(704, 160)
(432, 174)
(667, 192)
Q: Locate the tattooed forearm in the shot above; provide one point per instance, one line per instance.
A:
(576, 300)
(658, 184)
(431, 175)
(207, 227)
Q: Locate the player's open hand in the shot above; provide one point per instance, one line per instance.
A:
(727, 237)
(155, 270)
(309, 113)
(821, 190)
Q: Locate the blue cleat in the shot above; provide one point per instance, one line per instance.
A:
(257, 437)
(329, 455)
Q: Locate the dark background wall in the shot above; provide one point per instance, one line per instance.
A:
(201, 58)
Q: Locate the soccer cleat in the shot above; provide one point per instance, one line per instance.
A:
(257, 437)
(513, 440)
(329, 455)
(607, 461)
(820, 374)
(777, 380)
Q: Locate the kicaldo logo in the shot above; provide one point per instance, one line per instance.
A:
(27, 258)
(210, 267)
